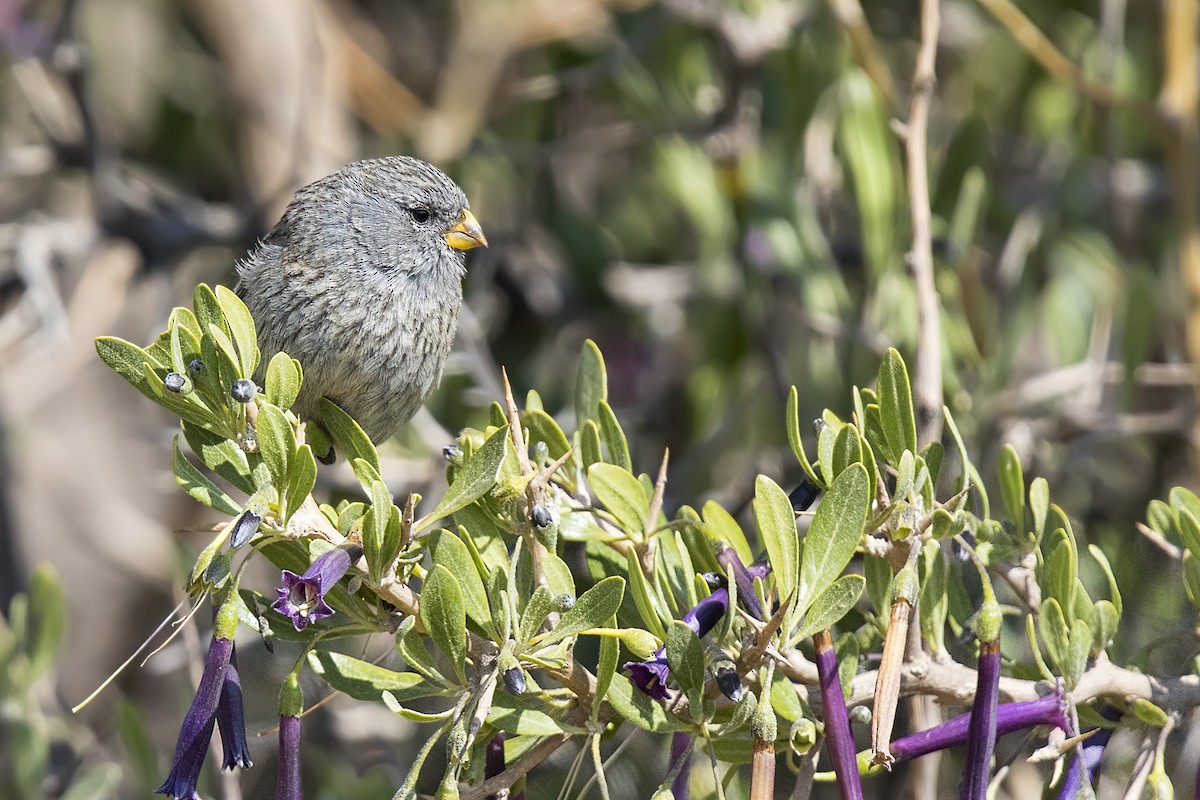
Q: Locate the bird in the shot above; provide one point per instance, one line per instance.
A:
(361, 282)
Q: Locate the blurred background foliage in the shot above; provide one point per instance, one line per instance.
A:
(713, 191)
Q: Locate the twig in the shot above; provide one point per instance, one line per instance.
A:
(1043, 51)
(928, 379)
(1158, 541)
(1179, 103)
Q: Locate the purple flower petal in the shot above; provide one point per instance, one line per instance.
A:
(838, 737)
(302, 597)
(231, 719)
(981, 731)
(197, 729)
(1010, 717)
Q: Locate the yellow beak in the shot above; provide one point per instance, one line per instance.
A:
(466, 233)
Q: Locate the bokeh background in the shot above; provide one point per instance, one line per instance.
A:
(712, 191)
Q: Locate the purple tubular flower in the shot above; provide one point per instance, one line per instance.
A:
(291, 704)
(197, 729)
(231, 719)
(838, 736)
(651, 675)
(1048, 710)
(744, 578)
(681, 748)
(302, 597)
(493, 759)
(981, 730)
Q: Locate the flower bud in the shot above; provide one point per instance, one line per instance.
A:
(860, 715)
(803, 735)
(453, 454)
(244, 390)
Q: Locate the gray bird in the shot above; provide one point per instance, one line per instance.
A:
(361, 281)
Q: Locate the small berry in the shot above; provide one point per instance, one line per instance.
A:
(729, 683)
(175, 383)
(195, 366)
(860, 715)
(452, 453)
(564, 601)
(541, 516)
(514, 680)
(244, 390)
(715, 580)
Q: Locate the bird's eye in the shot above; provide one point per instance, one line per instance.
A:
(419, 214)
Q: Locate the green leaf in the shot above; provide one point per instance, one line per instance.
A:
(830, 606)
(365, 681)
(847, 650)
(795, 440)
(836, 529)
(539, 606)
(411, 647)
(934, 454)
(1080, 644)
(591, 610)
(276, 442)
(444, 616)
(1162, 519)
(606, 666)
(825, 442)
(589, 444)
(620, 493)
(127, 360)
(721, 528)
(934, 603)
(895, 404)
(1191, 577)
(220, 455)
(282, 381)
(1061, 570)
(591, 385)
(777, 527)
(301, 478)
(511, 715)
(1039, 504)
(642, 592)
(451, 552)
(477, 476)
(374, 533)
(634, 705)
(208, 310)
(847, 449)
(685, 657)
(642, 644)
(1189, 531)
(878, 576)
(241, 325)
(198, 485)
(1052, 625)
(1107, 620)
(614, 438)
(1012, 484)
(1113, 590)
(48, 618)
(347, 434)
(543, 428)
